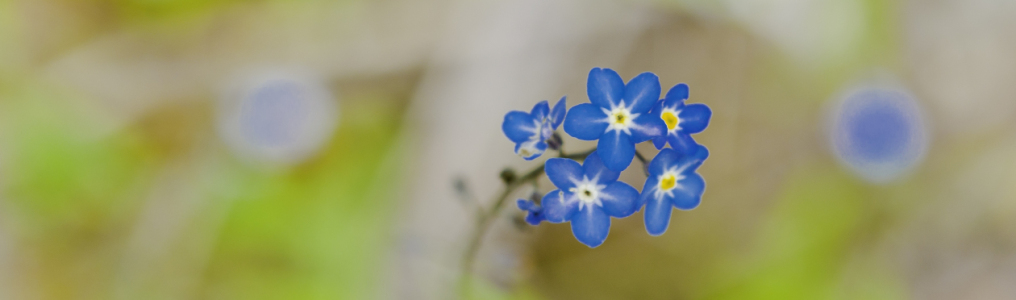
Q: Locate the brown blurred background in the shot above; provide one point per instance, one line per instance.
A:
(160, 149)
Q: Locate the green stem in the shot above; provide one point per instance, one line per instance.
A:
(486, 218)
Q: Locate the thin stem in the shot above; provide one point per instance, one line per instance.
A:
(486, 218)
(645, 164)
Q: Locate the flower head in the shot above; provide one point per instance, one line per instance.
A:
(879, 133)
(681, 120)
(672, 182)
(530, 131)
(535, 211)
(587, 196)
(618, 115)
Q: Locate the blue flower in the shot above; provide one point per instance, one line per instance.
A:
(879, 133)
(681, 120)
(618, 115)
(530, 131)
(672, 182)
(587, 196)
(535, 211)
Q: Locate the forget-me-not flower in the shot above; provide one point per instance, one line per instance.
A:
(672, 182)
(530, 131)
(879, 133)
(587, 196)
(534, 211)
(681, 120)
(618, 115)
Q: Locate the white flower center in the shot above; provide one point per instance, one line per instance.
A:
(620, 118)
(587, 192)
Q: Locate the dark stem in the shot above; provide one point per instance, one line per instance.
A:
(645, 164)
(486, 218)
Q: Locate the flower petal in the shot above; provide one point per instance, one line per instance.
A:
(519, 126)
(619, 199)
(642, 92)
(557, 114)
(594, 168)
(691, 161)
(663, 160)
(688, 192)
(616, 150)
(657, 216)
(590, 226)
(648, 189)
(682, 142)
(526, 205)
(660, 142)
(531, 149)
(679, 92)
(534, 213)
(540, 110)
(585, 122)
(563, 172)
(695, 118)
(556, 208)
(646, 127)
(534, 218)
(605, 87)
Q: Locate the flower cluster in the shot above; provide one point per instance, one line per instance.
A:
(618, 117)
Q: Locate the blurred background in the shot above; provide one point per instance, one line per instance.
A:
(227, 149)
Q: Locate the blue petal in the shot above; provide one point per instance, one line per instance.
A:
(619, 199)
(540, 110)
(605, 87)
(657, 108)
(672, 103)
(534, 218)
(526, 205)
(535, 212)
(642, 92)
(594, 168)
(663, 160)
(518, 126)
(647, 189)
(659, 142)
(557, 115)
(688, 192)
(563, 172)
(616, 150)
(556, 209)
(647, 127)
(669, 158)
(682, 142)
(657, 216)
(535, 148)
(585, 122)
(692, 160)
(679, 92)
(695, 118)
(590, 226)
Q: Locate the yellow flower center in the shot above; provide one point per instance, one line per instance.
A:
(619, 118)
(670, 119)
(668, 182)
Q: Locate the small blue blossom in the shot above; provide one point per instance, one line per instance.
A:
(681, 120)
(618, 115)
(879, 133)
(530, 131)
(672, 182)
(535, 211)
(587, 196)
